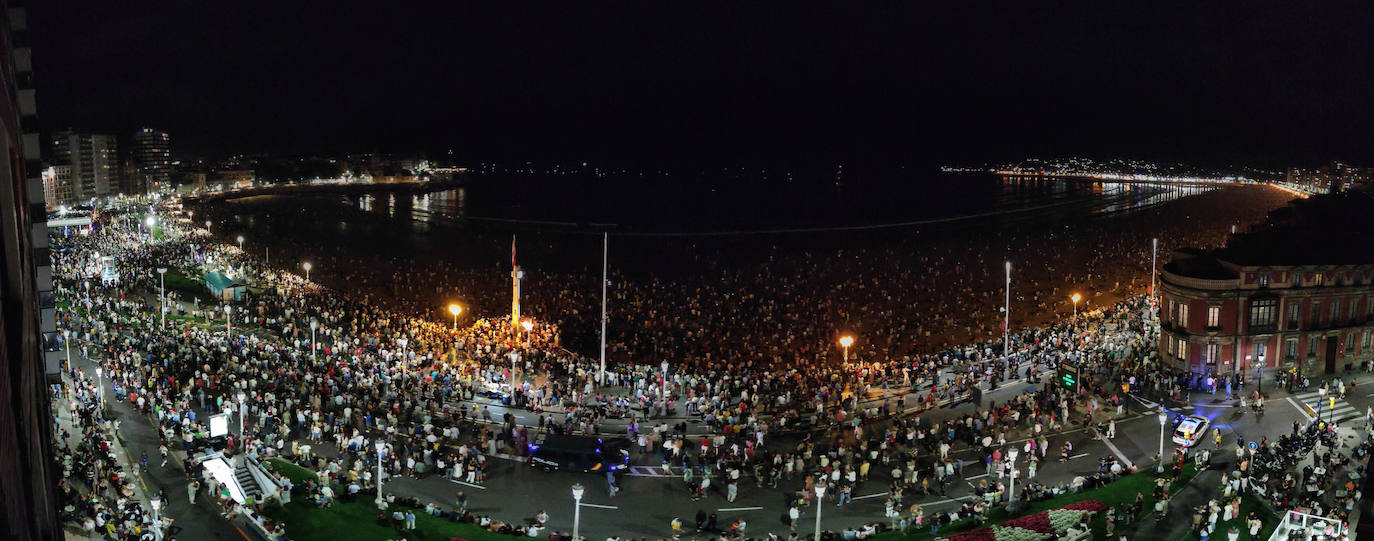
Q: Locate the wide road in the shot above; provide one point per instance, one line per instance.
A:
(649, 500)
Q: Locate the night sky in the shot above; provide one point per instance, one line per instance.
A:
(702, 84)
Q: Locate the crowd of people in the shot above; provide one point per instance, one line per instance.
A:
(100, 493)
(305, 364)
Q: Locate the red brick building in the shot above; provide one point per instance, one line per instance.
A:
(1295, 296)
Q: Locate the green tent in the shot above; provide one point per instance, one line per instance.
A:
(224, 287)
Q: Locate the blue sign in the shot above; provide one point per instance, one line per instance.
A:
(1253, 446)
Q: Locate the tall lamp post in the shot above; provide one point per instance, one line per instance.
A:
(1006, 317)
(528, 326)
(663, 389)
(162, 292)
(100, 383)
(240, 243)
(455, 310)
(1154, 255)
(1075, 297)
(243, 411)
(67, 342)
(157, 521)
(577, 491)
(228, 322)
(845, 342)
(306, 266)
(1011, 461)
(1163, 420)
(381, 448)
(820, 503)
(207, 226)
(313, 324)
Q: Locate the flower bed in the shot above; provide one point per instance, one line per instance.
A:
(1034, 527)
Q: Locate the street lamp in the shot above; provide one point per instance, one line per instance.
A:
(157, 523)
(162, 292)
(306, 265)
(243, 411)
(1006, 317)
(820, 503)
(207, 225)
(228, 323)
(452, 309)
(528, 326)
(1011, 461)
(100, 382)
(1163, 420)
(845, 342)
(381, 448)
(577, 491)
(663, 389)
(1075, 298)
(1154, 255)
(149, 221)
(313, 324)
(240, 243)
(67, 342)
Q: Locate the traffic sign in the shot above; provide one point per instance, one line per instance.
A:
(1254, 446)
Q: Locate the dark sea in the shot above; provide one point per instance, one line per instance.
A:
(560, 219)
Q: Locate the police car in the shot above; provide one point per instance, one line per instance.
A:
(1190, 430)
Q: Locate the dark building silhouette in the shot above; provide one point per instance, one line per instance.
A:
(28, 332)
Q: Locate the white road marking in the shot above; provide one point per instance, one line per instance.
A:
(738, 509)
(1078, 456)
(468, 484)
(1119, 454)
(870, 496)
(951, 500)
(1300, 409)
(599, 506)
(976, 477)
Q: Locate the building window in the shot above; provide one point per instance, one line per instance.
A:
(1297, 278)
(1318, 278)
(1260, 349)
(1349, 342)
(1290, 348)
(1213, 353)
(1312, 346)
(1314, 316)
(1292, 316)
(1335, 311)
(1264, 279)
(1214, 316)
(1263, 314)
(1181, 319)
(1182, 349)
(1364, 342)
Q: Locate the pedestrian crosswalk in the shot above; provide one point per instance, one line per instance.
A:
(1343, 413)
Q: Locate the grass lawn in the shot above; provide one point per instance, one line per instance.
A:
(1121, 491)
(188, 287)
(358, 520)
(1247, 504)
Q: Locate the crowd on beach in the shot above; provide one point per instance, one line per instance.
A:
(316, 365)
